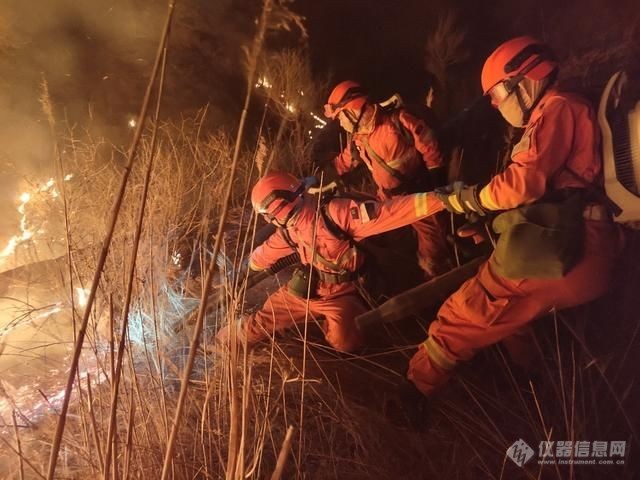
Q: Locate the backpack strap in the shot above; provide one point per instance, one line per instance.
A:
(378, 159)
(597, 192)
(401, 128)
(287, 238)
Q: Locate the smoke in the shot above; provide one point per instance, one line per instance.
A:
(96, 57)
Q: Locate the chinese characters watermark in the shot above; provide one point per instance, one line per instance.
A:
(570, 452)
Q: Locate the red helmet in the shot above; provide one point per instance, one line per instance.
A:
(277, 196)
(516, 59)
(347, 94)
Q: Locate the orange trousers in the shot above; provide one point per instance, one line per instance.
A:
(434, 256)
(336, 308)
(489, 308)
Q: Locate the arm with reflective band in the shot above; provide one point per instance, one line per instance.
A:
(437, 355)
(545, 146)
(272, 250)
(387, 215)
(344, 161)
(424, 140)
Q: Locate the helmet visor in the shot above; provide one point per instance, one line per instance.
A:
(331, 110)
(499, 93)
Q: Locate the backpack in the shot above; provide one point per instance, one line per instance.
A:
(394, 105)
(619, 119)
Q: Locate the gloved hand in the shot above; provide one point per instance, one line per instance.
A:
(461, 199)
(474, 228)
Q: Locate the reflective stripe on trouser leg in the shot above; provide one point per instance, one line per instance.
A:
(437, 355)
(488, 308)
(425, 373)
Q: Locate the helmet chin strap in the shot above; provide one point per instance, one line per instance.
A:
(356, 122)
(289, 217)
(526, 112)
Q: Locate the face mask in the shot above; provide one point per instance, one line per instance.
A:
(345, 122)
(511, 111)
(529, 90)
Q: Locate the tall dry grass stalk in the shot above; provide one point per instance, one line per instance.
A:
(105, 251)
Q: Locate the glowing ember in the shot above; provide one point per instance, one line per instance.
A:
(263, 82)
(321, 122)
(82, 295)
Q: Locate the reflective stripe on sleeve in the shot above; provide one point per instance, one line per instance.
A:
(254, 267)
(437, 355)
(421, 204)
(486, 200)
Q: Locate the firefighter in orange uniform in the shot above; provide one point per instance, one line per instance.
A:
(334, 255)
(400, 151)
(555, 172)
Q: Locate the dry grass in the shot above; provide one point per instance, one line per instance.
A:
(241, 407)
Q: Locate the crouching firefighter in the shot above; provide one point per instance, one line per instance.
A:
(402, 154)
(330, 249)
(557, 246)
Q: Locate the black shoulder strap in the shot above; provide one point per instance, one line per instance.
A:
(402, 130)
(287, 238)
(338, 232)
(333, 227)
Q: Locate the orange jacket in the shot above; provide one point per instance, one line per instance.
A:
(562, 132)
(358, 219)
(391, 146)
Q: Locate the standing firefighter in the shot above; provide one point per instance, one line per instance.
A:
(399, 150)
(557, 244)
(331, 248)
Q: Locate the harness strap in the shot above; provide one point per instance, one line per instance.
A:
(288, 239)
(337, 278)
(598, 193)
(401, 128)
(336, 232)
(378, 159)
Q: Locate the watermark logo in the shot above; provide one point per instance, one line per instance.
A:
(520, 453)
(569, 452)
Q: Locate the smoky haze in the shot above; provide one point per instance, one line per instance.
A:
(95, 57)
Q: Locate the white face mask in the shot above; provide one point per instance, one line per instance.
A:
(510, 108)
(511, 111)
(345, 122)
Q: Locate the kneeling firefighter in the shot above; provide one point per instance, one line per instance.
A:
(557, 245)
(330, 247)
